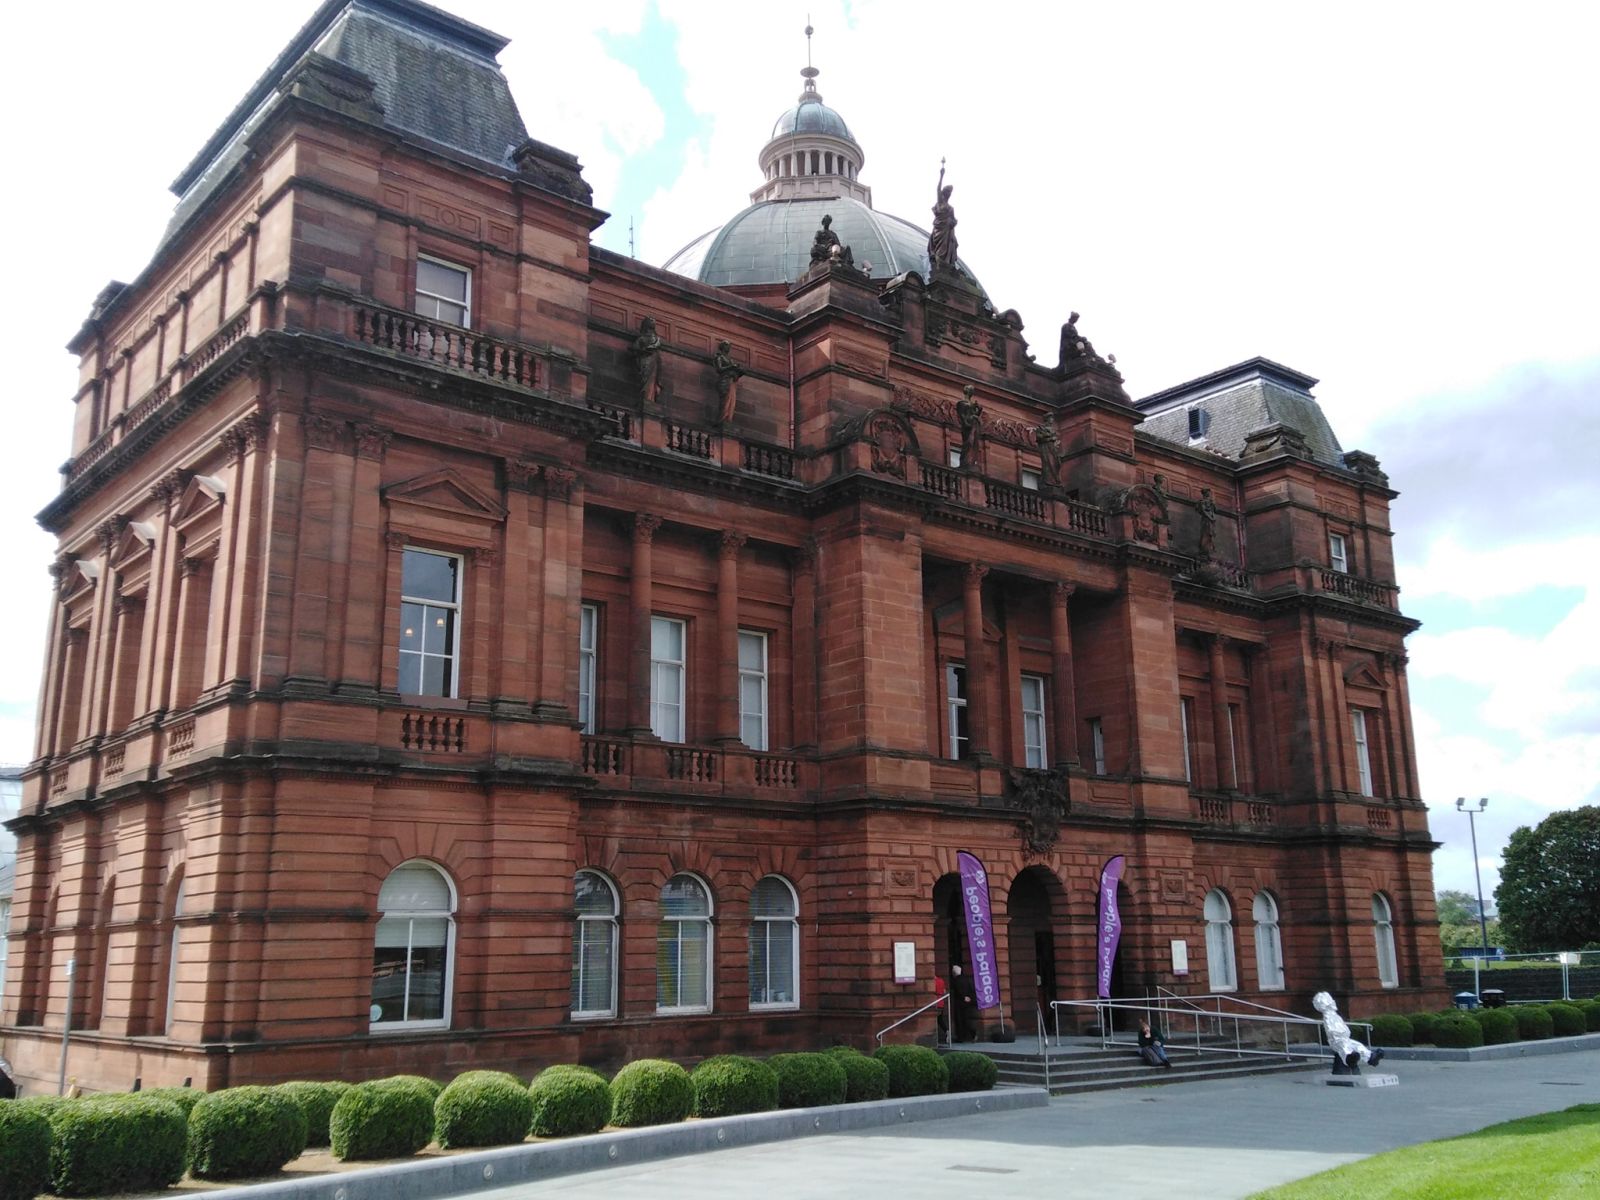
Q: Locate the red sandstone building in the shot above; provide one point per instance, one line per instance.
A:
(461, 656)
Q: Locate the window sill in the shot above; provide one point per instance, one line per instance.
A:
(606, 1015)
(388, 1027)
(691, 1011)
(786, 1006)
(453, 703)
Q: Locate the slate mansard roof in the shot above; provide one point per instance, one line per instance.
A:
(1238, 400)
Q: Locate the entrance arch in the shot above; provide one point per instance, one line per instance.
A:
(1033, 906)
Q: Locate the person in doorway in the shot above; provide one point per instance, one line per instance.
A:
(1151, 1048)
(964, 999)
(941, 990)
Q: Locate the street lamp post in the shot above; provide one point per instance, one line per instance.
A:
(1472, 824)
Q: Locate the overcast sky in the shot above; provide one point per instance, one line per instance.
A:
(1397, 199)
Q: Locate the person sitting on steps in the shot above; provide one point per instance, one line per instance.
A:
(1151, 1048)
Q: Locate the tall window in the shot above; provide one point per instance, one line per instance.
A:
(413, 949)
(1338, 553)
(174, 953)
(5, 934)
(1097, 744)
(1233, 747)
(588, 658)
(1034, 752)
(444, 291)
(430, 622)
(774, 945)
(1383, 936)
(1269, 943)
(594, 946)
(1358, 730)
(683, 947)
(1186, 716)
(667, 642)
(753, 689)
(953, 456)
(1219, 943)
(955, 697)
(1030, 479)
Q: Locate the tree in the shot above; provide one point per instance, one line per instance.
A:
(1457, 908)
(1549, 893)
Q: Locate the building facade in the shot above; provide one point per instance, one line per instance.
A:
(475, 648)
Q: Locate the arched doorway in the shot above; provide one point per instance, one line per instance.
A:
(1031, 910)
(949, 928)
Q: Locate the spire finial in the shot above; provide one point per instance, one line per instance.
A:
(808, 72)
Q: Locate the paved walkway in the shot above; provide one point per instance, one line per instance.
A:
(1199, 1140)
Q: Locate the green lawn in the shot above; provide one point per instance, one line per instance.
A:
(1555, 1156)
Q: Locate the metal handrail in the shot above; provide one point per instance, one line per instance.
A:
(1198, 1015)
(934, 1003)
(1219, 997)
(1044, 1045)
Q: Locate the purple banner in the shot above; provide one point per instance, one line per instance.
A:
(980, 929)
(1110, 932)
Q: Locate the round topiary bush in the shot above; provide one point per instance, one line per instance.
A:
(1533, 1022)
(730, 1084)
(569, 1100)
(1457, 1030)
(865, 1078)
(24, 1152)
(184, 1098)
(425, 1087)
(482, 1108)
(1568, 1019)
(1391, 1029)
(914, 1070)
(103, 1144)
(651, 1091)
(971, 1071)
(1498, 1025)
(244, 1131)
(380, 1120)
(1422, 1027)
(809, 1080)
(1591, 1013)
(316, 1100)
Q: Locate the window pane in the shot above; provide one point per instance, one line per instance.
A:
(593, 896)
(752, 652)
(694, 939)
(426, 1002)
(435, 676)
(667, 964)
(425, 576)
(412, 618)
(410, 674)
(753, 731)
(684, 897)
(666, 639)
(772, 898)
(592, 965)
(389, 982)
(440, 280)
(414, 888)
(438, 630)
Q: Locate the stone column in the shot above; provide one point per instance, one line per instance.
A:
(1344, 750)
(1221, 731)
(190, 640)
(562, 588)
(977, 665)
(804, 641)
(54, 665)
(728, 636)
(1406, 762)
(644, 532)
(363, 588)
(1063, 688)
(161, 622)
(519, 638)
(326, 440)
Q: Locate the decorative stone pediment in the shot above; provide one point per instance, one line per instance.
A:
(446, 491)
(198, 516)
(1362, 674)
(132, 545)
(1043, 800)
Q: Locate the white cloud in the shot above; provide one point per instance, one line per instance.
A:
(1448, 568)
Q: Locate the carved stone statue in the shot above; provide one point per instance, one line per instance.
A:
(1208, 526)
(728, 373)
(1073, 344)
(1048, 440)
(823, 244)
(942, 241)
(970, 413)
(1348, 1054)
(647, 360)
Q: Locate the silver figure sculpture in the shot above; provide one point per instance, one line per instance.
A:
(1347, 1052)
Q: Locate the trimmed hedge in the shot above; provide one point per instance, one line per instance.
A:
(1422, 1027)
(1568, 1019)
(316, 1100)
(24, 1152)
(244, 1131)
(730, 1084)
(971, 1071)
(865, 1078)
(651, 1091)
(1591, 1013)
(914, 1071)
(1391, 1029)
(1457, 1030)
(482, 1108)
(569, 1100)
(105, 1144)
(184, 1098)
(426, 1087)
(380, 1120)
(809, 1080)
(1498, 1024)
(1533, 1022)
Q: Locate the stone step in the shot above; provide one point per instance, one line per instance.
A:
(1125, 1071)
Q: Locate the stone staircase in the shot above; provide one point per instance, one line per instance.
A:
(1086, 1067)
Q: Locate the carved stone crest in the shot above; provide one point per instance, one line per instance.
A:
(890, 436)
(1148, 508)
(1043, 800)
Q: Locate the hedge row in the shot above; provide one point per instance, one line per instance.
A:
(1487, 1026)
(126, 1142)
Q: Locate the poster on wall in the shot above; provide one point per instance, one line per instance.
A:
(980, 929)
(1110, 931)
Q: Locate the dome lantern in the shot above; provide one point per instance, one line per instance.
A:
(811, 152)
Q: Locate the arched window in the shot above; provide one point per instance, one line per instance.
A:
(174, 947)
(594, 946)
(1269, 943)
(683, 947)
(1219, 943)
(774, 945)
(1383, 935)
(5, 933)
(414, 949)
